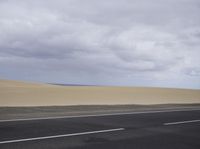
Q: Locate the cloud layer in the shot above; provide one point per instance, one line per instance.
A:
(115, 42)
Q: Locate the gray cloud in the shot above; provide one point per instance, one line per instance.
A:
(123, 42)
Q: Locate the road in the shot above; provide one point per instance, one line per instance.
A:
(168, 129)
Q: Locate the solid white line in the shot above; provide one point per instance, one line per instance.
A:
(182, 122)
(61, 136)
(99, 115)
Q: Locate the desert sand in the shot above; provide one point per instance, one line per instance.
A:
(17, 93)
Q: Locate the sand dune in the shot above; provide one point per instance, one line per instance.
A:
(16, 93)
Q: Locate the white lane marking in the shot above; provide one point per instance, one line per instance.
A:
(99, 115)
(182, 122)
(61, 136)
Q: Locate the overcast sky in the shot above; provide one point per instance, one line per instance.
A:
(101, 42)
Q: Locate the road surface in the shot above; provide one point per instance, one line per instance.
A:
(161, 129)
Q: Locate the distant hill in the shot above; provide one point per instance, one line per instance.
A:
(70, 84)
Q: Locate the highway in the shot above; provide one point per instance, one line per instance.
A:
(162, 129)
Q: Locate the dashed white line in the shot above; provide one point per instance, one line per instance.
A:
(182, 122)
(61, 136)
(99, 115)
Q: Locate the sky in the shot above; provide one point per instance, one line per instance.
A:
(101, 42)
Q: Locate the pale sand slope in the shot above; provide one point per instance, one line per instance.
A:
(16, 93)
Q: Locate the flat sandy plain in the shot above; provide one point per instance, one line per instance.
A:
(17, 93)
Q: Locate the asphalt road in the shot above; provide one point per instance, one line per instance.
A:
(149, 130)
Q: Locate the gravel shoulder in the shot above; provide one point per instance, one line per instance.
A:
(54, 111)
